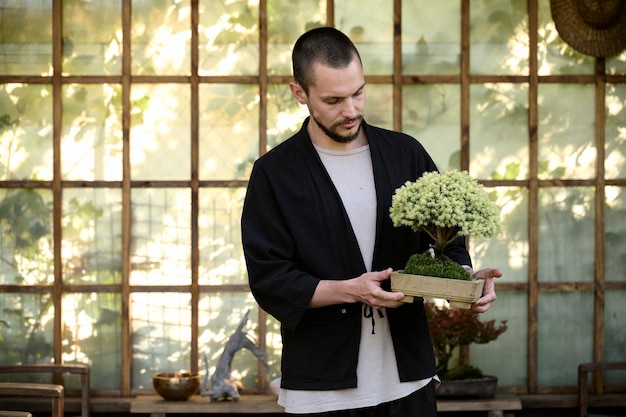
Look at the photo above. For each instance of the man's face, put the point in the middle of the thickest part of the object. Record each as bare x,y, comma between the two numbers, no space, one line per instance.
336,101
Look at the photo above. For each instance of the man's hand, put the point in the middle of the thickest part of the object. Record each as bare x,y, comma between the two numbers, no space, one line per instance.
364,289
368,290
489,291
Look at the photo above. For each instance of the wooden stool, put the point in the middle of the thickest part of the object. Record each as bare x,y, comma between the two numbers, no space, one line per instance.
15,414
23,389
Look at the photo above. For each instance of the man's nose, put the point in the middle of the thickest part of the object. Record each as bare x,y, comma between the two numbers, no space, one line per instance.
348,108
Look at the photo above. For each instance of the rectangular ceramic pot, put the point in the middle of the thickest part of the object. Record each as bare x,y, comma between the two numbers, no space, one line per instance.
459,293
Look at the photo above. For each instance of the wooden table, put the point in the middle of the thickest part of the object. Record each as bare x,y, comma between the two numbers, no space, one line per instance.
250,404
495,407
266,404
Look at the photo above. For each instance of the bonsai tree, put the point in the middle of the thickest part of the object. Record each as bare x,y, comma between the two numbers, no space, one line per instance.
451,328
445,206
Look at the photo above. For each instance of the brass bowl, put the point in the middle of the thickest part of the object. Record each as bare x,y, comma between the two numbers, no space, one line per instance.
176,386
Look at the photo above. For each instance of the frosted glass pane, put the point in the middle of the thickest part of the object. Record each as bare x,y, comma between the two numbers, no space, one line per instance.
566,230
91,145
26,244
378,110
25,37
565,336
92,42
499,37
615,337
554,56
509,250
615,234
615,136
506,356
28,322
228,38
92,335
430,113
229,130
284,115
221,253
161,246
286,21
92,229
161,335
160,37
566,131
160,144
369,23
616,64
25,132
428,47
499,131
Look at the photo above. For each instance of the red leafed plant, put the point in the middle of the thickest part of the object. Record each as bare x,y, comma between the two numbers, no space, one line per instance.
451,328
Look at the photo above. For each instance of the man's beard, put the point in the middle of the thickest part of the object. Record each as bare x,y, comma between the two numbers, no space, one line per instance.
336,136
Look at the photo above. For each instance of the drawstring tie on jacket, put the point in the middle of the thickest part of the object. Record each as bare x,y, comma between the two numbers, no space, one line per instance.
368,312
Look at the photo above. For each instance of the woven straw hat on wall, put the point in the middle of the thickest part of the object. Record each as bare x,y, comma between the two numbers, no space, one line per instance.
593,27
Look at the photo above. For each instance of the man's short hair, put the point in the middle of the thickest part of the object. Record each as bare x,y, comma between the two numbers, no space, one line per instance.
324,45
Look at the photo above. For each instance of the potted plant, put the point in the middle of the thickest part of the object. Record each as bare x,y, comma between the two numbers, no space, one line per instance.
445,206
457,328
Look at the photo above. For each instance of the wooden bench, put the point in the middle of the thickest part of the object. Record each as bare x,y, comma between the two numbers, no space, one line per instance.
266,404
24,389
54,369
15,414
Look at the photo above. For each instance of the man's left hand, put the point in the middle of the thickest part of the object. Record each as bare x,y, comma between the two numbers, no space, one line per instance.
489,291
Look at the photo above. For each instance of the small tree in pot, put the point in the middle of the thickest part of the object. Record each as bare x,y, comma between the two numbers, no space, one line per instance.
452,328
445,206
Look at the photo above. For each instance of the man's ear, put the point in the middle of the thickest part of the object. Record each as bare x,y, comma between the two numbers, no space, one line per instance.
298,92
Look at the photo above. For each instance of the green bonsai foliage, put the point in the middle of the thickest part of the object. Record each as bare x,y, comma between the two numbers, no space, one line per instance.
451,328
445,206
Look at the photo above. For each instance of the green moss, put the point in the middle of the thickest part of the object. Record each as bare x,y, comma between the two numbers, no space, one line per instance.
441,266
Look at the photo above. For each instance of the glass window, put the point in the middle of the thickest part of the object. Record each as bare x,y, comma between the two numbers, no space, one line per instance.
91,37
229,38
91,148
93,335
92,248
499,37
229,130
428,47
25,132
27,328
160,136
499,131
509,250
615,132
430,113
161,335
26,240
160,251
615,234
566,131
26,37
221,253
563,345
566,245
161,37
373,39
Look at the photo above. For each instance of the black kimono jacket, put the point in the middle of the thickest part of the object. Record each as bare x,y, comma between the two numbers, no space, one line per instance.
296,232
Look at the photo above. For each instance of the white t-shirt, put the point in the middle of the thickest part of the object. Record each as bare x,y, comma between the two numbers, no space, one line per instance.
377,371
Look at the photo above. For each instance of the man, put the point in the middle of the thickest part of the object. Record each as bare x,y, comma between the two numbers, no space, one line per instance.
320,246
